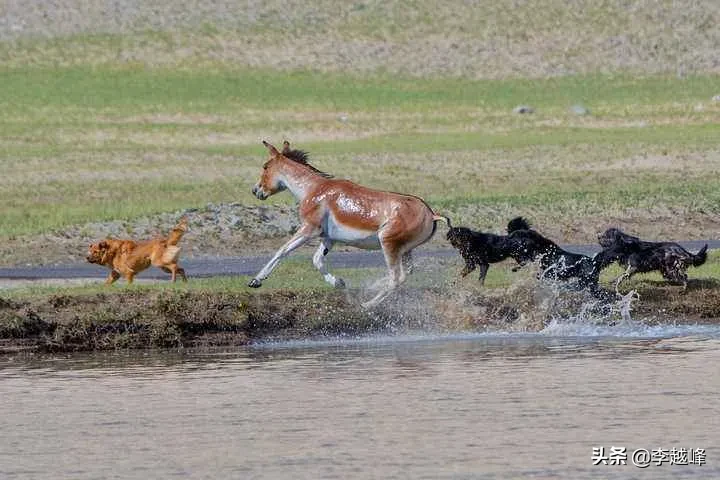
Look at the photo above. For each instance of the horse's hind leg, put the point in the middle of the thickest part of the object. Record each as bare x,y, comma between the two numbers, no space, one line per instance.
319,262
397,275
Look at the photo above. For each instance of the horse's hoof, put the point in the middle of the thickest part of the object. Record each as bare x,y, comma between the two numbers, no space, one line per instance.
254,283
339,283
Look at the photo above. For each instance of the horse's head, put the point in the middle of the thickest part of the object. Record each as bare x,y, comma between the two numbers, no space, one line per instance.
270,182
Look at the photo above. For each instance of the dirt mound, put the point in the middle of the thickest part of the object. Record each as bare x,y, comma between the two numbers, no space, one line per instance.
216,229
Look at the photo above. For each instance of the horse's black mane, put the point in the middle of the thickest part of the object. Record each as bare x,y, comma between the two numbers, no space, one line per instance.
301,156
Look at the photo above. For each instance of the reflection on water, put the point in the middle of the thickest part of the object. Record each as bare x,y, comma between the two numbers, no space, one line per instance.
465,406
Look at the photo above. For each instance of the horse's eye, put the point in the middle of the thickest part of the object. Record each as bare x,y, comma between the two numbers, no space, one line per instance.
265,166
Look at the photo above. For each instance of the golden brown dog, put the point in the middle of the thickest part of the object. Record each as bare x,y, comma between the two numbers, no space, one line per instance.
127,258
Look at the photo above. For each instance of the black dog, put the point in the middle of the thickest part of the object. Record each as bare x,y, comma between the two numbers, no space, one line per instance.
481,249
558,264
639,256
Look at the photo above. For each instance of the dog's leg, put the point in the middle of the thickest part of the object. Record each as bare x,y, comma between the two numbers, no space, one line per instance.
112,278
319,262
306,233
177,271
469,268
174,270
407,261
130,277
181,271
484,267
684,279
628,273
675,274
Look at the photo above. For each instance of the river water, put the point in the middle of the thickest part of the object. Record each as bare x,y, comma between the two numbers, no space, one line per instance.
464,406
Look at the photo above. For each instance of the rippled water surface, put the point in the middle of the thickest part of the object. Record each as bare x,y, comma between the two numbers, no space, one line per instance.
499,406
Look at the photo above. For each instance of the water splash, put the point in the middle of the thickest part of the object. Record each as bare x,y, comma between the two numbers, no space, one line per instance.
624,306
432,303
638,329
615,320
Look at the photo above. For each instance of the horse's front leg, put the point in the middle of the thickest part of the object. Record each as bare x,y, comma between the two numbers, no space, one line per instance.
301,237
319,262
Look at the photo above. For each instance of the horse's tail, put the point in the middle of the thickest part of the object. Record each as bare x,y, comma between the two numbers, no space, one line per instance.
437,218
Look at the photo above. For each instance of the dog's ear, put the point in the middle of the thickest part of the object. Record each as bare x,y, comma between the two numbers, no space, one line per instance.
621,237
105,250
109,250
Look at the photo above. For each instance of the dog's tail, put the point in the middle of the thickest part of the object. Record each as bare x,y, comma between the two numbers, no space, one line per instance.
518,223
437,218
700,257
176,233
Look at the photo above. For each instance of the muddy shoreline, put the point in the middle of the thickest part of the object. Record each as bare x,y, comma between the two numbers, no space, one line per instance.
197,319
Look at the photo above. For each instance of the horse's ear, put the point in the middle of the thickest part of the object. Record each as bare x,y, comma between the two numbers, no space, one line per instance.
271,148
286,147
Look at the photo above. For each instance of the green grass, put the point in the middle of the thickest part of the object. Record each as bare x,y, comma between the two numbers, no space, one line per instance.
134,90
82,144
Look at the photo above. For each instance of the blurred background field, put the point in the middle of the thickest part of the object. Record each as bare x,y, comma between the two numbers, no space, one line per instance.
117,117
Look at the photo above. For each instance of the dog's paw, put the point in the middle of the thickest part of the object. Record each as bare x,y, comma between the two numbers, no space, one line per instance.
255,283
339,283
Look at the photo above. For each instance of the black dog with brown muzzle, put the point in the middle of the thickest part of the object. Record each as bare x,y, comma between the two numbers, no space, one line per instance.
480,249
639,256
